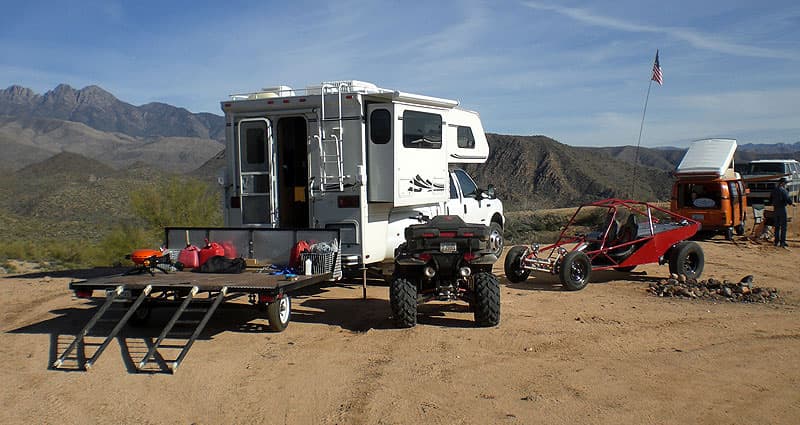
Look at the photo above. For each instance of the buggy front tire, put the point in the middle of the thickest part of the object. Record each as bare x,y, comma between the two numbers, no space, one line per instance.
513,265
575,271
687,259
487,299
403,301
279,313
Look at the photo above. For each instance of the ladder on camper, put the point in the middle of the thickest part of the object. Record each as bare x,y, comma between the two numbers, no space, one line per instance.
116,296
331,168
178,318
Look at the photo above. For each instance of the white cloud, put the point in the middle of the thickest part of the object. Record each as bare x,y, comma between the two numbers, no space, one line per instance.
695,38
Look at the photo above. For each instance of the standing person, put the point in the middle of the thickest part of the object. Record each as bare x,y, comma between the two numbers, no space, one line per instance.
780,199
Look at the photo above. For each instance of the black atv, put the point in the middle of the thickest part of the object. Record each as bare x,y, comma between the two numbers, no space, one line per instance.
445,259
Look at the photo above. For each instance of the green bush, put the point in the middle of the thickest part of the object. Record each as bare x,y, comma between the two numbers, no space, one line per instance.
177,202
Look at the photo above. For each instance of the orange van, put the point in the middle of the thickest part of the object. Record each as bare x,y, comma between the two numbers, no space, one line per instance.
718,203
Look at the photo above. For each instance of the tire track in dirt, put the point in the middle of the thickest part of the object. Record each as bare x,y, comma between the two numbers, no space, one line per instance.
355,407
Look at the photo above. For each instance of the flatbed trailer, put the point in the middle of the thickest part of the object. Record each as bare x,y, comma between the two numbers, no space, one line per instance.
139,294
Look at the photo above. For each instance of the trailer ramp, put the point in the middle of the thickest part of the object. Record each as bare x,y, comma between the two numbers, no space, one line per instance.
191,327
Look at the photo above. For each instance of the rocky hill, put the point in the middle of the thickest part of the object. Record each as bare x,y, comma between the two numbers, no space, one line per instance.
532,172
100,110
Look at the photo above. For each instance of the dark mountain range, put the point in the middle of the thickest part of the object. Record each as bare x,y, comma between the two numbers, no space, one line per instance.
532,172
100,110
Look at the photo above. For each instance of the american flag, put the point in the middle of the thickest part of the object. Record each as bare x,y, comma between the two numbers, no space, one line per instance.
657,72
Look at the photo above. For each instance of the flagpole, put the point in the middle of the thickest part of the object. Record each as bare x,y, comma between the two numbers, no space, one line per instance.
639,141
657,78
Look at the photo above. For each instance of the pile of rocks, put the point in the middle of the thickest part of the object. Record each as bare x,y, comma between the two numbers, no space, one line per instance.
713,289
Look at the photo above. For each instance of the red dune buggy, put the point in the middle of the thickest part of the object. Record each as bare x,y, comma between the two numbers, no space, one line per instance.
612,234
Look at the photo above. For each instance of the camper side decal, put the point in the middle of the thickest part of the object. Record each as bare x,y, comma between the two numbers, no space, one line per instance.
421,184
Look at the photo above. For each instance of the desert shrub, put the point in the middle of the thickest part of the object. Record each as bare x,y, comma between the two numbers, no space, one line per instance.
178,201
121,241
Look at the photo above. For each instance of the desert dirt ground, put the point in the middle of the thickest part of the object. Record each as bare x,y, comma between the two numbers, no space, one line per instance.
609,354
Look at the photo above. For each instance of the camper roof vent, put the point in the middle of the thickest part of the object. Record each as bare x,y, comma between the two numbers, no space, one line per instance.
348,86
266,92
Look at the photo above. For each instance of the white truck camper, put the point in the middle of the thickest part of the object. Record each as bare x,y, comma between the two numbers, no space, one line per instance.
353,157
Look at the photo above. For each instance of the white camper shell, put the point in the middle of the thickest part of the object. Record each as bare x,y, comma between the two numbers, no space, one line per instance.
708,157
351,156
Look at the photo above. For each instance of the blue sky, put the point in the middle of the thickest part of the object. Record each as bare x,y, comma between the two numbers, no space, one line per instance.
575,71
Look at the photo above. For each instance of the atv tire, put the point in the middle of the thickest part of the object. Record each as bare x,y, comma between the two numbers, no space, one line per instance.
512,266
487,299
403,300
687,259
575,271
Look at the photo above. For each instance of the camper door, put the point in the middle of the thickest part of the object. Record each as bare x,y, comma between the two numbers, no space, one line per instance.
255,164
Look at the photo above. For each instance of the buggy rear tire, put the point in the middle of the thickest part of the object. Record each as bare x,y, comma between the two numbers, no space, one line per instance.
403,301
513,265
487,299
575,271
279,313
687,259
496,238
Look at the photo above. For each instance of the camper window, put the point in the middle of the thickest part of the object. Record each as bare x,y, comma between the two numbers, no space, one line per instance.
465,138
255,140
422,130
380,126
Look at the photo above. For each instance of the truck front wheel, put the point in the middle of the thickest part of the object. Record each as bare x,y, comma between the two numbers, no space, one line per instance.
496,238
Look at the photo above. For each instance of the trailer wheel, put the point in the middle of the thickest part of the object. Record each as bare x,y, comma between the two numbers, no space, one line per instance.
141,316
403,300
575,271
487,299
687,259
496,239
279,313
513,265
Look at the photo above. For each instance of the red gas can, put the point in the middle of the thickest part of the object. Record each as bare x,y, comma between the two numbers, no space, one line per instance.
212,249
189,257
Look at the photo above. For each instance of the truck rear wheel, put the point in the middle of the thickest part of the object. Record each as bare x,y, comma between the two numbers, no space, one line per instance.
403,300
278,313
575,271
513,265
687,259
487,299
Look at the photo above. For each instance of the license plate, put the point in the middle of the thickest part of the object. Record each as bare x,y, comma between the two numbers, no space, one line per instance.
448,247
698,217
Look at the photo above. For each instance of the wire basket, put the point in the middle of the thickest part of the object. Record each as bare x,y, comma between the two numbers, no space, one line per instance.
321,262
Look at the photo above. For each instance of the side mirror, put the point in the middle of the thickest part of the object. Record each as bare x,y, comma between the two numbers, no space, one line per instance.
490,191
